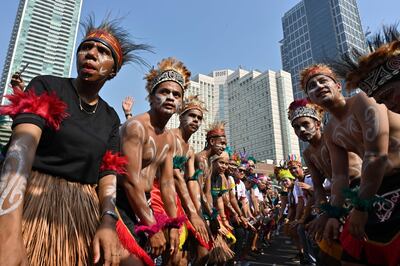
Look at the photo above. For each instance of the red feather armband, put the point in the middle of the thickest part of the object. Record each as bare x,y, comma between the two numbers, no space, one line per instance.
47,105
114,162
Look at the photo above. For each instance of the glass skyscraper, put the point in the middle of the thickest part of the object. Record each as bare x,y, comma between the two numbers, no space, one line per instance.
43,35
314,30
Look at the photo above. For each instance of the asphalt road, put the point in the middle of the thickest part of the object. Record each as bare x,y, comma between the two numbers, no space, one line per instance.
279,253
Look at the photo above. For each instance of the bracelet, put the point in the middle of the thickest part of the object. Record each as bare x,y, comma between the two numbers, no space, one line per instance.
179,162
110,213
333,211
128,114
359,204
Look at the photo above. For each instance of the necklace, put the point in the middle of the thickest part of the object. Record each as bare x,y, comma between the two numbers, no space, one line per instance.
86,111
80,102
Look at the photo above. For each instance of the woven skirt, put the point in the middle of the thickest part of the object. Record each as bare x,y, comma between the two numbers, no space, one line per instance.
60,219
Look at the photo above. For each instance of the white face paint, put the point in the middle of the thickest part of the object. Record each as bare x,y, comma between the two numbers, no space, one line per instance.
167,97
191,120
99,56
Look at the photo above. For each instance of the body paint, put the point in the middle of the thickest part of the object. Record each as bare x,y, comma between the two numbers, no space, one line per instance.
14,179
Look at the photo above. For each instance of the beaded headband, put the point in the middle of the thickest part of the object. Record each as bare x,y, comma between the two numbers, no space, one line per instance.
169,75
304,111
381,75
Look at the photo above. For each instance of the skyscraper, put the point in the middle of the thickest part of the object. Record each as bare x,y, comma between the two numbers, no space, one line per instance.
315,30
254,107
43,35
204,86
258,121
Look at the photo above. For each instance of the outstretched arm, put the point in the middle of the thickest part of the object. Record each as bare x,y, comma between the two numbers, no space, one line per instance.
127,105
187,202
14,176
106,238
374,122
168,195
133,139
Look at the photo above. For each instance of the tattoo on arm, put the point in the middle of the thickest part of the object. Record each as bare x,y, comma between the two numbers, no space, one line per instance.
17,167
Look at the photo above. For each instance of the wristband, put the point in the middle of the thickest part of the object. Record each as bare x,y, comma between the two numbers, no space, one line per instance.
333,211
110,213
128,114
359,204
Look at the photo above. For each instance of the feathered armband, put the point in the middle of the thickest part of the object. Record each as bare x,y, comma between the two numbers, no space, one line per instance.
47,105
114,162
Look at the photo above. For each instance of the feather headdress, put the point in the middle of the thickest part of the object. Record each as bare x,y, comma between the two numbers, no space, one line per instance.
168,69
293,159
315,70
381,64
193,102
116,38
215,130
303,108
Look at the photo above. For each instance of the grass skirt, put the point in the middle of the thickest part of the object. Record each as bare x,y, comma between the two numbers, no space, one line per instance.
60,219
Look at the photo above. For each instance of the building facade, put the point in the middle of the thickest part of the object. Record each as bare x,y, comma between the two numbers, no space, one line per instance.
258,121
44,36
204,86
254,107
314,31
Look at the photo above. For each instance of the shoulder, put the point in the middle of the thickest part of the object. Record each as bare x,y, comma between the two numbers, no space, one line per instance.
135,128
191,153
47,83
365,107
360,101
110,111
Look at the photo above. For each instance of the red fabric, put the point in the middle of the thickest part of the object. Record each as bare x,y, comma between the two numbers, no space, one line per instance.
376,253
158,207
161,219
201,241
130,244
47,105
114,162
160,215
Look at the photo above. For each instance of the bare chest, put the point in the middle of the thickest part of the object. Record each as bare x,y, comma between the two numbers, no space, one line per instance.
348,135
319,156
155,150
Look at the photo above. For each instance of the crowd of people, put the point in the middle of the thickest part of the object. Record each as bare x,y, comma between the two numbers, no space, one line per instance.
79,188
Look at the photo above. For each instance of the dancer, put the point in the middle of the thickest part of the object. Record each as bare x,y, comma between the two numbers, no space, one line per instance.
149,147
370,130
64,144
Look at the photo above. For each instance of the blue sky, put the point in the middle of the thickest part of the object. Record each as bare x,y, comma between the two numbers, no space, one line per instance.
207,35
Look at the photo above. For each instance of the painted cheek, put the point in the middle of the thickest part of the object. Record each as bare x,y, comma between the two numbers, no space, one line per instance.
160,100
177,105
